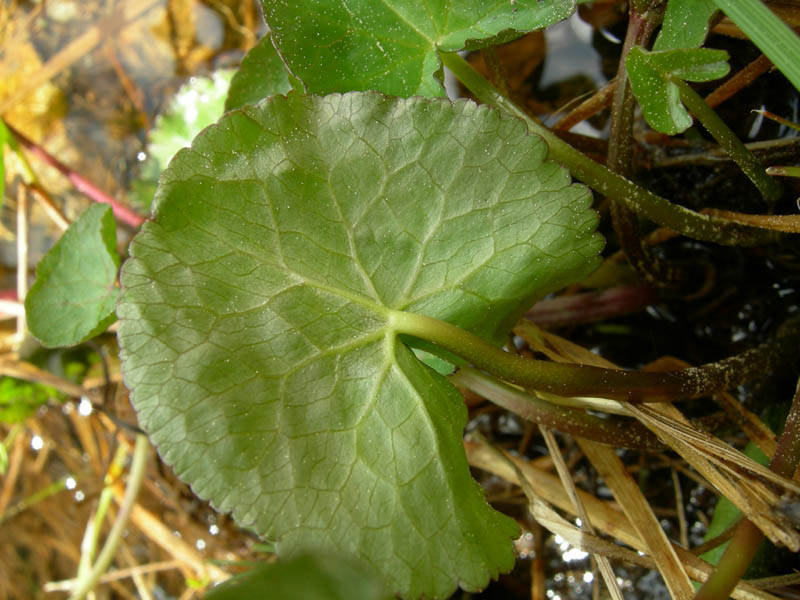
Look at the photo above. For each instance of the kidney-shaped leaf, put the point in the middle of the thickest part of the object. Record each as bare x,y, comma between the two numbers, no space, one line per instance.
74,294
256,318
652,76
390,46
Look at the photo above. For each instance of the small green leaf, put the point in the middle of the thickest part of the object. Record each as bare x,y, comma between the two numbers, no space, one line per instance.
302,578
261,74
652,76
685,24
256,319
391,46
74,295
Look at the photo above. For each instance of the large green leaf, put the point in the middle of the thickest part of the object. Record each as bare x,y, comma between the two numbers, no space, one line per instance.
256,319
391,45
302,578
653,76
261,74
74,294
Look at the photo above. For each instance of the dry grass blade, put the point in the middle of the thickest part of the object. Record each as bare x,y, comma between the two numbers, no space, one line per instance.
563,472
558,525
603,515
29,372
755,429
154,528
645,522
737,477
117,574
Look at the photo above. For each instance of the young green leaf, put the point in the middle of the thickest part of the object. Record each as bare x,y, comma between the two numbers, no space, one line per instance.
685,24
303,578
74,295
261,74
391,46
653,76
256,319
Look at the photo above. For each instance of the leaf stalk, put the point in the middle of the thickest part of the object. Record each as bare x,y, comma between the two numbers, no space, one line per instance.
746,160
603,180
585,380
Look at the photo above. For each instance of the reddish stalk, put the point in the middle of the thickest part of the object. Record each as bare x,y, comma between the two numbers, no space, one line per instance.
122,213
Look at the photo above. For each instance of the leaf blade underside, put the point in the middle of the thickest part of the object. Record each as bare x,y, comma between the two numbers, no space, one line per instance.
254,319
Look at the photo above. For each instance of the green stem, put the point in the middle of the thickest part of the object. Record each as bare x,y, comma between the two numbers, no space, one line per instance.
580,380
747,537
746,160
605,181
613,431
84,585
92,535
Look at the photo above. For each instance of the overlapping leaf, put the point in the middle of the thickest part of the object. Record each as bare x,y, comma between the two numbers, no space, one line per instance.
391,45
256,326
261,74
74,294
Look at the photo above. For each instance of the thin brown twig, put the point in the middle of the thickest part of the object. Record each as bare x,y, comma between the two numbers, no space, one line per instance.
133,92
684,530
10,479
599,101
739,81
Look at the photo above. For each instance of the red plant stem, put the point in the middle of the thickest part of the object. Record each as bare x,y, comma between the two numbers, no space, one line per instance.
122,213
747,537
590,307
